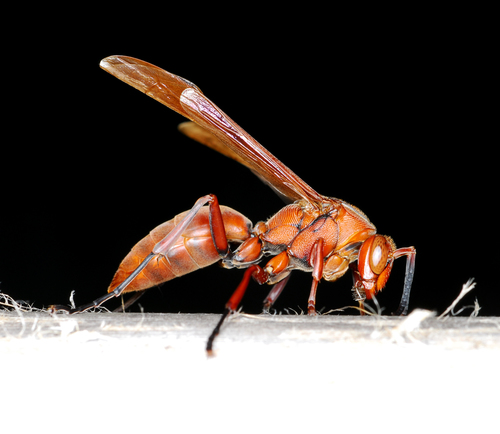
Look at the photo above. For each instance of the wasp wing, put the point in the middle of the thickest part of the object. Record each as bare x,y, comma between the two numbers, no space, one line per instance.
187,99
205,137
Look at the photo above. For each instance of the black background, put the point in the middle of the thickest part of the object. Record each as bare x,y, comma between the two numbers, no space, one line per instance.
389,115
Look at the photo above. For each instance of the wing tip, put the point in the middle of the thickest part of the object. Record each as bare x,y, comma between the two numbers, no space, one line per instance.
113,62
108,62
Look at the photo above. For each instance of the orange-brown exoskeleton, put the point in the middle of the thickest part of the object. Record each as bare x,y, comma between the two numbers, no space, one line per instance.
318,234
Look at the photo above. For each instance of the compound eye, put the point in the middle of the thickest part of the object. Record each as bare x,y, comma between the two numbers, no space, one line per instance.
379,253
